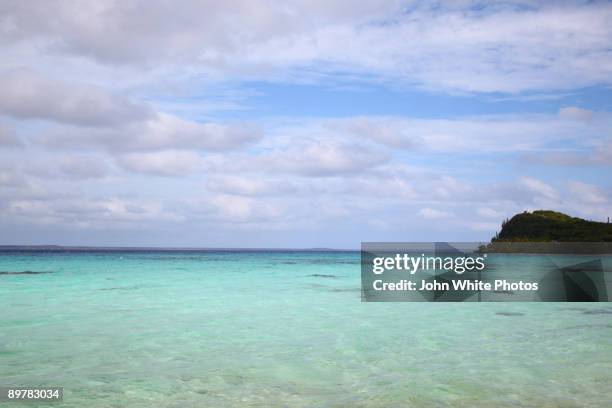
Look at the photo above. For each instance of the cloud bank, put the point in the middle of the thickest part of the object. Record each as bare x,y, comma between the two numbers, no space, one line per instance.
128,121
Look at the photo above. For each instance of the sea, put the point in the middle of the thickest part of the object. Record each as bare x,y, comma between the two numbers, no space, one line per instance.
280,329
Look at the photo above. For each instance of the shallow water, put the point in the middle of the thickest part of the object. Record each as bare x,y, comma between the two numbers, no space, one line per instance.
282,329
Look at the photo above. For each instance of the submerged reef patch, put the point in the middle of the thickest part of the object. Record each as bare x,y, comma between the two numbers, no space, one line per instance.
510,314
24,272
321,275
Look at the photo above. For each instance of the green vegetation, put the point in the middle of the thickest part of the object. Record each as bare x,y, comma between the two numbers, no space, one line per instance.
549,226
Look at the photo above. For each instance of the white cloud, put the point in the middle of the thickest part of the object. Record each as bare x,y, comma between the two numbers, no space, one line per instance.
169,163
487,212
573,112
596,153
313,157
587,193
489,227
538,188
497,47
66,167
8,138
433,214
492,49
515,195
88,212
250,185
381,186
449,188
161,131
231,208
29,96
8,178
206,31
125,91
170,131
83,167
387,131
484,134
321,158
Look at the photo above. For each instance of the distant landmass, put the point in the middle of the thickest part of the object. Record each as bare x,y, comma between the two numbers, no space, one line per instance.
552,226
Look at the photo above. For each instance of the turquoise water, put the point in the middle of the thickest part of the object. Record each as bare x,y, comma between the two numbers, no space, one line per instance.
227,329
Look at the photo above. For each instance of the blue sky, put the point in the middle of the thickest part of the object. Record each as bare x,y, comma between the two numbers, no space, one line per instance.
326,100
308,124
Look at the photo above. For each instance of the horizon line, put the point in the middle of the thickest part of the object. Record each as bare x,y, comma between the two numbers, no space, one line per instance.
55,247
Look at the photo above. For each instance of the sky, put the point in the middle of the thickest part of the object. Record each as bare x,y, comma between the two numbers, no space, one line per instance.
251,123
